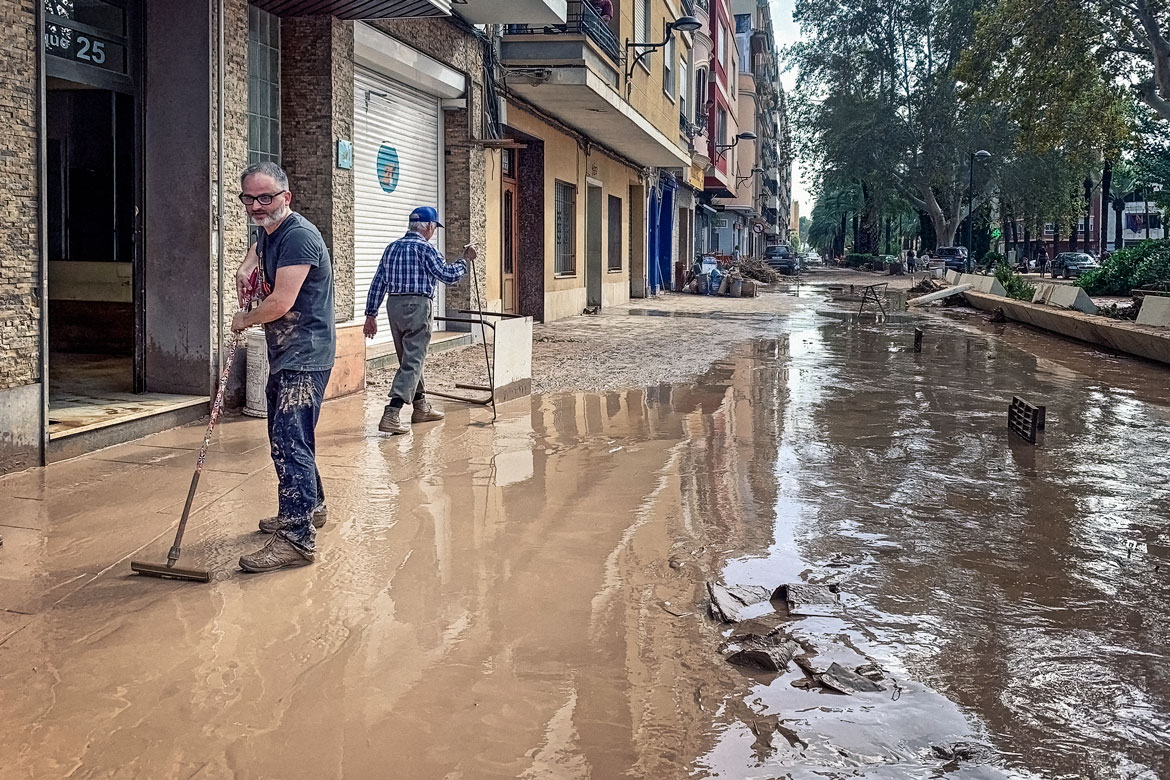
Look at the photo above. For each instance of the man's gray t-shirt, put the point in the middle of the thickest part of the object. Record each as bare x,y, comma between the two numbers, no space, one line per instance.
304,338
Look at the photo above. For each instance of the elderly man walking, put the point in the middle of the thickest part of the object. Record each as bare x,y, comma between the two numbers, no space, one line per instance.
406,277
296,281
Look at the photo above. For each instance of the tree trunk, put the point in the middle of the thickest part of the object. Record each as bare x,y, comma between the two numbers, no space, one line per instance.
870,228
1072,236
855,221
1027,242
1118,209
839,242
1106,185
1088,211
1055,240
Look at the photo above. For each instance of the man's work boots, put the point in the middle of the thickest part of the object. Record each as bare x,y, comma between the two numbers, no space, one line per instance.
424,412
279,553
392,421
271,525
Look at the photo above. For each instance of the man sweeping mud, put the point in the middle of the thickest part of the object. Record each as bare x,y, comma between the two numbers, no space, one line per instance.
296,282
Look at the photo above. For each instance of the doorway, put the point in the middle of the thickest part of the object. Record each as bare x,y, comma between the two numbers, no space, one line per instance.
593,247
93,202
509,295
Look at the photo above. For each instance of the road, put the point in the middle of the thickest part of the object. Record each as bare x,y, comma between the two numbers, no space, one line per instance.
528,599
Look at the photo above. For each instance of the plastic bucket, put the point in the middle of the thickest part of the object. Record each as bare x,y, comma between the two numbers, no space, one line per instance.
255,404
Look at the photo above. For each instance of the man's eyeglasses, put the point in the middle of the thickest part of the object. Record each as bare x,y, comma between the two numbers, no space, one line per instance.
263,200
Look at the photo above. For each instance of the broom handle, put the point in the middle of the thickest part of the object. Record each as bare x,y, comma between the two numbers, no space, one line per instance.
216,408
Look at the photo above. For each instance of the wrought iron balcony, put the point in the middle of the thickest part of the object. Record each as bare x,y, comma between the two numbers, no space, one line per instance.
582,19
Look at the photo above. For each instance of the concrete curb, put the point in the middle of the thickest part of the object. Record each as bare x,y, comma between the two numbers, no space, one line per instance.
1150,342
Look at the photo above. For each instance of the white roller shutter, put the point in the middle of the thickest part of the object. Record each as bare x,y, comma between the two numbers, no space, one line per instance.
391,116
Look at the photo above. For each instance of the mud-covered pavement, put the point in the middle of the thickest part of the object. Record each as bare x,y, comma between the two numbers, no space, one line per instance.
528,600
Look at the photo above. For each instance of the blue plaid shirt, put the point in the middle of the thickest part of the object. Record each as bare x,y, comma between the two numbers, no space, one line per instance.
410,266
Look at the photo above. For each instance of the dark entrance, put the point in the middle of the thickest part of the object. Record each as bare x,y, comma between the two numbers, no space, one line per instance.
92,203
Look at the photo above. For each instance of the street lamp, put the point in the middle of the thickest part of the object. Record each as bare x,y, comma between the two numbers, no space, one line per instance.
980,155
746,135
754,171
687,24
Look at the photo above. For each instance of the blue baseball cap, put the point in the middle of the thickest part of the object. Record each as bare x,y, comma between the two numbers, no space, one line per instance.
425,214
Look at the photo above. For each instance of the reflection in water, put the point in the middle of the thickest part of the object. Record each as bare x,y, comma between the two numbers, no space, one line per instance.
1015,579
527,599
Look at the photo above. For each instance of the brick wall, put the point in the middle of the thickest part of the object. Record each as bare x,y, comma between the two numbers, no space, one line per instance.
19,228
316,105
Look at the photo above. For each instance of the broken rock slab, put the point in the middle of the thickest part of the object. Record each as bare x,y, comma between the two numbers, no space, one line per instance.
844,680
807,600
731,605
768,654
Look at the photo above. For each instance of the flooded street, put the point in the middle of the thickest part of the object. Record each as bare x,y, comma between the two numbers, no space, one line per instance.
529,599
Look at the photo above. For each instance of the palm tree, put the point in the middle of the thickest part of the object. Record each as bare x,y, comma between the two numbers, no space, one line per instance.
1120,187
829,215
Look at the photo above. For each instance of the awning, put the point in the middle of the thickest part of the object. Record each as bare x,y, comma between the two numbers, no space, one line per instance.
356,9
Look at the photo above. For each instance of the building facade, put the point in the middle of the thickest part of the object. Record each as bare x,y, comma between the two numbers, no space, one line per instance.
575,150
124,230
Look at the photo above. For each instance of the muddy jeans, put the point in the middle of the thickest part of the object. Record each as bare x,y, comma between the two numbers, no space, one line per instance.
410,324
294,404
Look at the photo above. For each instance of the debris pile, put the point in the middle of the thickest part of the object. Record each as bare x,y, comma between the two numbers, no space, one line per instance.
755,268
734,279
928,285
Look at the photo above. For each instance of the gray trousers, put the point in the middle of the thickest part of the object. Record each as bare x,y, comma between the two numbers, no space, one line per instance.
410,324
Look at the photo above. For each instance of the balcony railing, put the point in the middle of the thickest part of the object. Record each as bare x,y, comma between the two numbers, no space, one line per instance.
582,19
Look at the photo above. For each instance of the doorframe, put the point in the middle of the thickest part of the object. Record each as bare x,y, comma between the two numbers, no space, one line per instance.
42,224
131,83
509,225
594,243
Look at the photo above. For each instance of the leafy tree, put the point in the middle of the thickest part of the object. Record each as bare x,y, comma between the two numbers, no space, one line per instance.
878,101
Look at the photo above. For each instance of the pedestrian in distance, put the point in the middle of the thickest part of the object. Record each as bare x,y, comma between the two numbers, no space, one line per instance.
406,278
296,284
910,261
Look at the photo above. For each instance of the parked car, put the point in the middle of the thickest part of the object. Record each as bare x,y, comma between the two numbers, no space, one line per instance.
811,259
954,258
1070,264
781,259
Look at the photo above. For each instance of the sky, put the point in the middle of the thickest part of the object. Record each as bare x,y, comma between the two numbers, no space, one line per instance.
787,32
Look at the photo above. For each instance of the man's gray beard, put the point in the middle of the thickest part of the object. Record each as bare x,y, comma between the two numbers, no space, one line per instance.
272,219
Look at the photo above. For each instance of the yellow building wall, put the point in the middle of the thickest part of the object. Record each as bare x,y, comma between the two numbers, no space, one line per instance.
492,252
565,160
646,94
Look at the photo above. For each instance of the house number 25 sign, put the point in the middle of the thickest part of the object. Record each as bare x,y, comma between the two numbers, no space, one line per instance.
70,34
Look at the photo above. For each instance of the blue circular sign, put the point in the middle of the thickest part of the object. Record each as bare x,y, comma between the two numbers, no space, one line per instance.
388,168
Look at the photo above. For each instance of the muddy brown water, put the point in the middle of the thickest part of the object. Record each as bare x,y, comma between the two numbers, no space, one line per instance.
499,602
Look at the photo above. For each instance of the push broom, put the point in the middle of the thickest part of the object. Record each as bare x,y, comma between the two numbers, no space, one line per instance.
170,570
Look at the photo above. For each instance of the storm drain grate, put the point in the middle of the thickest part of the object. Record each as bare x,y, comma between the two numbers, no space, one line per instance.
1025,420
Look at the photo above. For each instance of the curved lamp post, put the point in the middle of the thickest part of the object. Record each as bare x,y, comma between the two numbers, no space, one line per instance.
682,24
746,135
755,171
